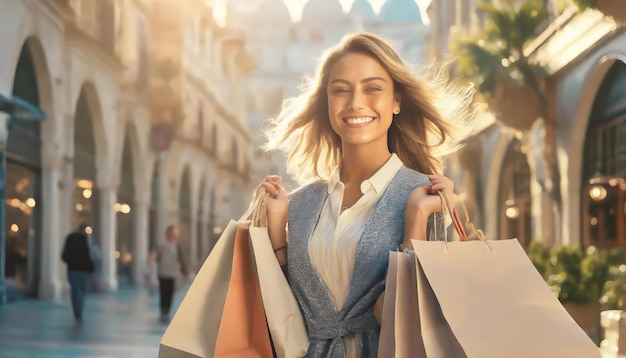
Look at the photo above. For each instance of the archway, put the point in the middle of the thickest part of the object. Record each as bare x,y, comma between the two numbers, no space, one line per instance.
514,198
23,188
85,198
603,189
184,214
125,217
155,198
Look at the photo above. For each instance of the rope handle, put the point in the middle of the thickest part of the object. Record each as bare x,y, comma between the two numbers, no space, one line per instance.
448,207
259,215
255,208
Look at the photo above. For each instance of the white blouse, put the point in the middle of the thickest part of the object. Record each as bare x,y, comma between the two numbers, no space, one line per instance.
334,242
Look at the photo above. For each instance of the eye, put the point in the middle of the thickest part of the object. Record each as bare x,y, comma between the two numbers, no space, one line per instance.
339,90
374,89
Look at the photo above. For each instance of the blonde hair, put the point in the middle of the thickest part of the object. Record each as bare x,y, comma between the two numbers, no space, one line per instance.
419,135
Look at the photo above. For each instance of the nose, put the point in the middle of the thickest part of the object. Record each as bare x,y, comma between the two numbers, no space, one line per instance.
357,101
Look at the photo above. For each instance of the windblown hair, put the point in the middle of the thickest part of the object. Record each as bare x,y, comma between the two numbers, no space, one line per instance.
431,123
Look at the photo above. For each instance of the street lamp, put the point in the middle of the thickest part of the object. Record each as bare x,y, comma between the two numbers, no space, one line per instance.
12,110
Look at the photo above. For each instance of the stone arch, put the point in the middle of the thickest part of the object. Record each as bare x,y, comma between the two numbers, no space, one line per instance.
130,192
592,82
42,73
92,98
514,194
128,130
31,82
492,182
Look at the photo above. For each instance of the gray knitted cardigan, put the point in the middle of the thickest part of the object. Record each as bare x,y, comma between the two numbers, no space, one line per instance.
383,233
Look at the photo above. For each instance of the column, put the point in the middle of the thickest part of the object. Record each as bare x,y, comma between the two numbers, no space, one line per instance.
203,236
4,132
163,200
140,239
107,280
193,241
52,239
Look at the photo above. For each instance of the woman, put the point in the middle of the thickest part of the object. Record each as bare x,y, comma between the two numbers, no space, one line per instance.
360,137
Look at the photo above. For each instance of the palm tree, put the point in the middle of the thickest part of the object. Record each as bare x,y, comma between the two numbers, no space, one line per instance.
512,85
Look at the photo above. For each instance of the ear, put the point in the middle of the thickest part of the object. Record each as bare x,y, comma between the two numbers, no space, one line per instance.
397,101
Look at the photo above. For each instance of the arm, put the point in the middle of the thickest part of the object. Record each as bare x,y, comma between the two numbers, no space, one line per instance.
276,206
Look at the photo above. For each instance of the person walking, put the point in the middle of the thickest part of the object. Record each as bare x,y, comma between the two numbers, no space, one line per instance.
77,254
170,266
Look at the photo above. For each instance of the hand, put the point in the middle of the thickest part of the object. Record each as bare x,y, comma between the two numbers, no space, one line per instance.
276,202
276,206
421,203
425,198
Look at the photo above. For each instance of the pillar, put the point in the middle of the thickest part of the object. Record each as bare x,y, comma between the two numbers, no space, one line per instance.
107,279
52,240
140,239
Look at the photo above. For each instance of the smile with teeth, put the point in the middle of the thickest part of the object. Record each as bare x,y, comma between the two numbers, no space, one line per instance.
359,120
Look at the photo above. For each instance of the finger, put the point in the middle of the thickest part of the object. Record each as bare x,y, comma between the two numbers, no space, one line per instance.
273,179
269,188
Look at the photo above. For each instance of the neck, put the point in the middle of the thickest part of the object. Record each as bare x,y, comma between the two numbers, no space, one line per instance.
359,163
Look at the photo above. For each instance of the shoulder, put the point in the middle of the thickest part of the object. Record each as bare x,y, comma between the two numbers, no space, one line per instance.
308,191
409,178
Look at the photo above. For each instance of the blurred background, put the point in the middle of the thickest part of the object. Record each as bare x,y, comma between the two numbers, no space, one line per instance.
155,109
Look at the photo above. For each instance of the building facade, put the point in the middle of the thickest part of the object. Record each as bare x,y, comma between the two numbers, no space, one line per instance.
584,54
145,128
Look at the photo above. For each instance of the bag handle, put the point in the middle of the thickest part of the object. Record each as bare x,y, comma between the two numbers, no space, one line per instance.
255,206
446,205
259,216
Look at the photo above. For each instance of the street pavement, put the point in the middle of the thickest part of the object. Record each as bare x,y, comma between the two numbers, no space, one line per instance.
122,324
118,324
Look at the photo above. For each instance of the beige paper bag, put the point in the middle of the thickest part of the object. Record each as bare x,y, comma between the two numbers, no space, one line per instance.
494,302
284,318
282,311
400,332
194,328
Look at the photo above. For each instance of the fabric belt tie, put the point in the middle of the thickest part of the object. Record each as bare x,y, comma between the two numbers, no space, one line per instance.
335,329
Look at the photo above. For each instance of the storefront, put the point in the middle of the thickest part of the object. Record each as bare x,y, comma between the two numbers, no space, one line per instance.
514,197
125,218
23,190
604,164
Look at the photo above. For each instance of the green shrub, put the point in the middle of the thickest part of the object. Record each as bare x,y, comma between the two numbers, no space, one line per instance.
577,275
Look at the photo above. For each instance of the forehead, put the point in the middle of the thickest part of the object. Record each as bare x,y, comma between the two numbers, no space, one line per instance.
357,66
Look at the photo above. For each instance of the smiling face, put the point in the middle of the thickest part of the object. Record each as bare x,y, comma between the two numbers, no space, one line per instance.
361,100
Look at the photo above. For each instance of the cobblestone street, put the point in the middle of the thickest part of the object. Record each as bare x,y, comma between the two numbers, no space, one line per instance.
119,324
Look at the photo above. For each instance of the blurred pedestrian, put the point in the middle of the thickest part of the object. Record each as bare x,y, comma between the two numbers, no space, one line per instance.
170,266
77,254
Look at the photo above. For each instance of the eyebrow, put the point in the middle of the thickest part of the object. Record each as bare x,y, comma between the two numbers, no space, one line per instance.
365,80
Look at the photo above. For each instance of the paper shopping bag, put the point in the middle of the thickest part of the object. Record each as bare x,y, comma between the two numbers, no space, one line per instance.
194,327
284,317
490,299
243,328
400,332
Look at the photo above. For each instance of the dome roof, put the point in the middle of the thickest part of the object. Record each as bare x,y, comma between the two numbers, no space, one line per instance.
274,9
364,9
322,9
395,11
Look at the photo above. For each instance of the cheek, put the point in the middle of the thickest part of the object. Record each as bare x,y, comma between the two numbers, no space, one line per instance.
334,107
